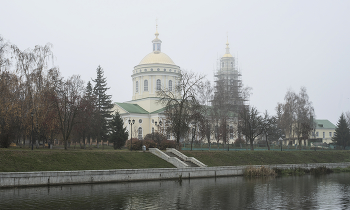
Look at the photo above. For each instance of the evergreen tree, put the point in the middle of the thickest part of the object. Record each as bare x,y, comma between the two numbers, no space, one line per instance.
118,134
342,133
103,103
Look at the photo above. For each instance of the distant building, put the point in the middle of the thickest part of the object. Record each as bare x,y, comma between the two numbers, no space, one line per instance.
155,71
324,130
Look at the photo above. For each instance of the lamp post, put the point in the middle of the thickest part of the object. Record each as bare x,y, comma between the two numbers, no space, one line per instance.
131,122
216,136
281,137
193,133
32,114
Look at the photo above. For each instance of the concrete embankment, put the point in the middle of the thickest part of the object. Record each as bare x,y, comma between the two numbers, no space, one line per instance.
17,179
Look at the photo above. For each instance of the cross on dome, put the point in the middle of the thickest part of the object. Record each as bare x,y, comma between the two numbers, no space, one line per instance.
157,42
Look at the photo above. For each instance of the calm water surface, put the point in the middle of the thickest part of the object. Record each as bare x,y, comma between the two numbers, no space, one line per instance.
297,192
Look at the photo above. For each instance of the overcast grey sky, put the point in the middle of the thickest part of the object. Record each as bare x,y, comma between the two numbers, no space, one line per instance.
279,44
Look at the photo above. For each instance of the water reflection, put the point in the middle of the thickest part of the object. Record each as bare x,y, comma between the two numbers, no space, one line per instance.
304,192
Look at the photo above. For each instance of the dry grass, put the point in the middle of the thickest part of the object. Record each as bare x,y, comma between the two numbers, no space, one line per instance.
259,171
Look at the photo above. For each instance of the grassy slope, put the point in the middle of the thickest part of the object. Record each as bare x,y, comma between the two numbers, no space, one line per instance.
60,160
235,158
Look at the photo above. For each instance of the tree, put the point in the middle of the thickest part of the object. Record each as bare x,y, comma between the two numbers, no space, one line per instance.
66,99
269,127
342,133
295,116
250,124
304,117
103,103
118,134
181,103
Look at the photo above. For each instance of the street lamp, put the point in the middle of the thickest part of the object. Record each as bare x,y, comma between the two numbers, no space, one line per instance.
281,135
32,114
217,136
131,122
193,133
158,140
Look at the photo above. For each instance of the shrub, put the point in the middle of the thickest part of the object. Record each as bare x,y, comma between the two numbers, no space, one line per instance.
167,144
260,171
136,144
238,142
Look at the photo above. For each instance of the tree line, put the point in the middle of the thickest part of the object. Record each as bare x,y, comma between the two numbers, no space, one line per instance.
199,110
38,104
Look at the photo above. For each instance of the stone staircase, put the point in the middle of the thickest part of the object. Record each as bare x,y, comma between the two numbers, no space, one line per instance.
176,158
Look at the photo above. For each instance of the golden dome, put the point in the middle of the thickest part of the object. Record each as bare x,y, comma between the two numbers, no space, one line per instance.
227,56
158,57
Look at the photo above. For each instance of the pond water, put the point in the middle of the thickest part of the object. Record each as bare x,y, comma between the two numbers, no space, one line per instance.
293,192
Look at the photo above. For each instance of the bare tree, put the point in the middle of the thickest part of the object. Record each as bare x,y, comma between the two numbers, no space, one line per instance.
250,124
67,101
180,104
303,125
269,127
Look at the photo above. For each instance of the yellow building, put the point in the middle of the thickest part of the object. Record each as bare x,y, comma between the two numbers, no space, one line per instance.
156,71
324,130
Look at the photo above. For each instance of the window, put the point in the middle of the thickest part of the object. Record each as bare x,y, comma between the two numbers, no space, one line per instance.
317,134
323,135
140,120
170,85
140,133
330,134
175,71
145,84
164,69
151,69
231,64
145,69
223,64
158,84
158,69
137,86
152,120
170,70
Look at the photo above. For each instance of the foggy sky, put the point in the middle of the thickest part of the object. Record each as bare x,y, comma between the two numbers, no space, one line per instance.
280,45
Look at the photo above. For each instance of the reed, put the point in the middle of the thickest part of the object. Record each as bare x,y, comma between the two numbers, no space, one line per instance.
251,171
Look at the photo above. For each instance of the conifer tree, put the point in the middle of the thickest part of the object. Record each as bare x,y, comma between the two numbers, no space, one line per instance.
118,135
103,103
342,133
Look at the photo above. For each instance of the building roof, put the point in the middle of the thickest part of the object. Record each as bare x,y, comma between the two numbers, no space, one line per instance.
158,111
325,124
132,108
157,57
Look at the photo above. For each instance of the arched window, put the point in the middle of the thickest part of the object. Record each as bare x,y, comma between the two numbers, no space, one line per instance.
137,86
170,85
158,84
223,64
158,69
140,133
145,84
231,64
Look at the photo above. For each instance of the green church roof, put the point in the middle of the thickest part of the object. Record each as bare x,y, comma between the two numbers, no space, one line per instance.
132,108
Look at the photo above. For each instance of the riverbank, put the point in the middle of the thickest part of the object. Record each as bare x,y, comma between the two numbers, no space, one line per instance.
237,158
72,160
78,159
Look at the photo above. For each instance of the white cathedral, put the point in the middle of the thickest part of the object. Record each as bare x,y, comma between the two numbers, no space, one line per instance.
156,71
